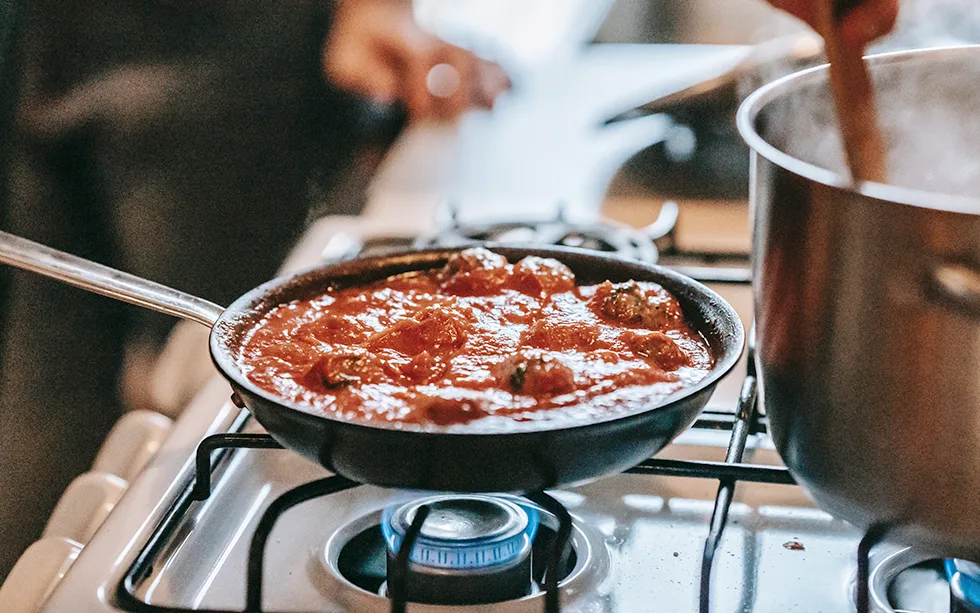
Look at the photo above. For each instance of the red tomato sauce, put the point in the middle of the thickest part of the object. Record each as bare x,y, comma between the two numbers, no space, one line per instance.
479,339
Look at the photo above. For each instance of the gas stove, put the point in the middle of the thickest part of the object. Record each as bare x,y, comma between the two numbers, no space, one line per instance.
207,513
222,519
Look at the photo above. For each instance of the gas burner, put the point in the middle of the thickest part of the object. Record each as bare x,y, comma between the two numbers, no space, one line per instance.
472,550
603,236
904,580
608,236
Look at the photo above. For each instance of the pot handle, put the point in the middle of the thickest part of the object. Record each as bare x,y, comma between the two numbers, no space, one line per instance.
100,279
956,284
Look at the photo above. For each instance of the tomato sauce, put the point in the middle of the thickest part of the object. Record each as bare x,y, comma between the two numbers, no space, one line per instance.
479,339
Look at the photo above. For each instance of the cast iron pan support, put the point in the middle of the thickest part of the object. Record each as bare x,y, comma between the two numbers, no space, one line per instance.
745,417
875,534
202,482
334,484
256,551
559,549
747,403
397,588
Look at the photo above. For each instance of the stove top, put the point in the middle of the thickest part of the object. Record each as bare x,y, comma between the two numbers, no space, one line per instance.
713,523
647,534
636,537
631,537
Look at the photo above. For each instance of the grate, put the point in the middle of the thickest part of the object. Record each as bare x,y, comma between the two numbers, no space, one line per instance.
213,450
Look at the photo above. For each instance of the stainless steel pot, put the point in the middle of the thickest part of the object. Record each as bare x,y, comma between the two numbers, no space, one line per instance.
868,298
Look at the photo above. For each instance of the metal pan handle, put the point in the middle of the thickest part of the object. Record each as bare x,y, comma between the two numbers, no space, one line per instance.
100,279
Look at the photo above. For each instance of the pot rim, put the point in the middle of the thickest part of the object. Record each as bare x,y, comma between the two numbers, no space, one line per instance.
749,110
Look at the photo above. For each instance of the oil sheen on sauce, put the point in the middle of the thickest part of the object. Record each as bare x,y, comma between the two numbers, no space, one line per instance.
479,340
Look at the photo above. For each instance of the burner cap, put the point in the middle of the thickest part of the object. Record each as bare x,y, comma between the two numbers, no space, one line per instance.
359,554
464,532
471,549
463,519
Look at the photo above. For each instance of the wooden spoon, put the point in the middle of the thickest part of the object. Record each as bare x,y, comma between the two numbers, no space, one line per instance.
854,99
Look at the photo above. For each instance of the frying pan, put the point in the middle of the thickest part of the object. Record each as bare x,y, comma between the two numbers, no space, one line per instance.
529,457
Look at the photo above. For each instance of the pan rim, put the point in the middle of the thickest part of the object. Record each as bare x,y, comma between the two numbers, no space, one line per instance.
227,365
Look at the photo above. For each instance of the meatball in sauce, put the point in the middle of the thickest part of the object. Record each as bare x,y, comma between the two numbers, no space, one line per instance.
479,339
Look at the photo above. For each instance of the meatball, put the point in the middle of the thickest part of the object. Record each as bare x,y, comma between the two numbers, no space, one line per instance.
645,305
473,272
561,335
538,374
477,258
659,348
536,276
336,370
448,411
432,330
424,368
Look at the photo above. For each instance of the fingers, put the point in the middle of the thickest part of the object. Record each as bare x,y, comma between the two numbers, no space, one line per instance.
413,81
444,81
481,82
461,65
360,69
376,49
865,22
491,82
869,20
368,76
802,9
382,86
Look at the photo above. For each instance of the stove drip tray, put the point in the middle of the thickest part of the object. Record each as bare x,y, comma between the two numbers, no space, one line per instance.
471,549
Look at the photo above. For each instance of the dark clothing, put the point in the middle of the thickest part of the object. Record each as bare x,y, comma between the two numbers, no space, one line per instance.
173,139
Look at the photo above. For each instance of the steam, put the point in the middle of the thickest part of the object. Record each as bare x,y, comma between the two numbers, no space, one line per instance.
934,23
929,107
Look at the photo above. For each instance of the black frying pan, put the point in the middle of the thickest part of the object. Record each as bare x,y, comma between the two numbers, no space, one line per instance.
456,458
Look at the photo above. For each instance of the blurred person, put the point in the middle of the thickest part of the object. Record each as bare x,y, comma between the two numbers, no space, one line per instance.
175,140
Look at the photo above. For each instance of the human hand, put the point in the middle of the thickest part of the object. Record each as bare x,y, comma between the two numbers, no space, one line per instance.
861,24
377,50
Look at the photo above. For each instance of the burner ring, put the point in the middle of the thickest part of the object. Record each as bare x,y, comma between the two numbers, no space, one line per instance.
604,235
464,532
888,562
590,568
471,549
884,571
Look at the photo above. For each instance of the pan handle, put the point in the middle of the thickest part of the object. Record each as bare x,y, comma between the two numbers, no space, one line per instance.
88,275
